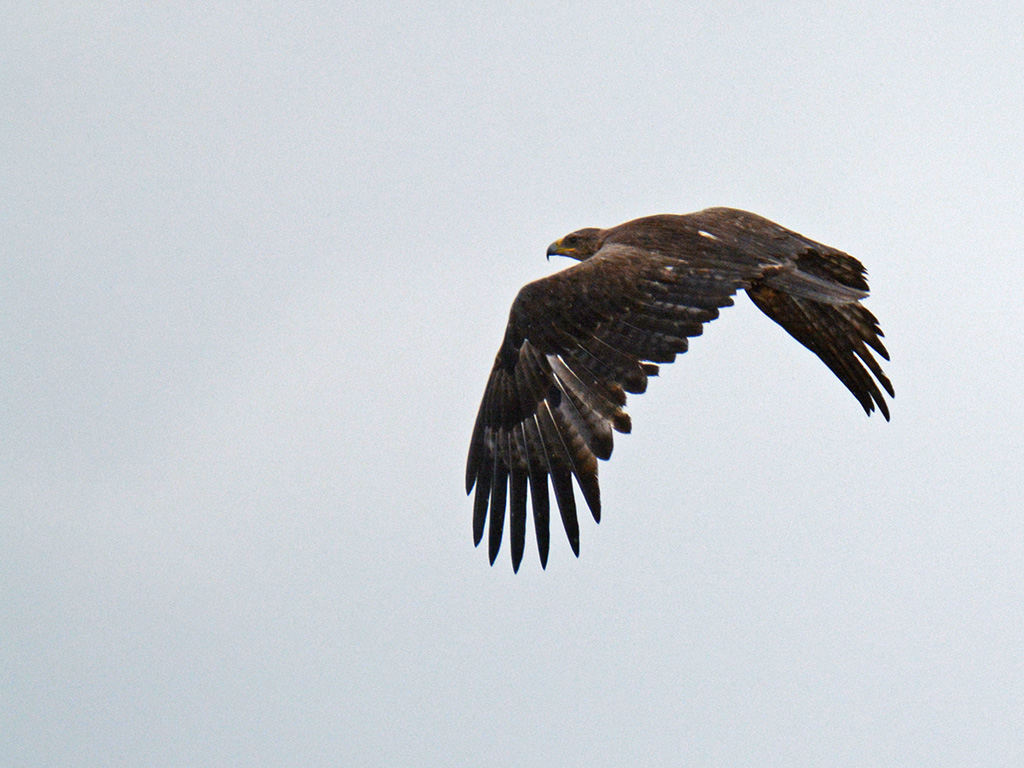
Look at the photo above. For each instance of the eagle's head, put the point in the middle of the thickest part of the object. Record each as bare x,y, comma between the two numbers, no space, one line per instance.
580,245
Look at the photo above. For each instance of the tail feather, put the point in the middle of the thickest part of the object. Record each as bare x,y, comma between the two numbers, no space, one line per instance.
805,285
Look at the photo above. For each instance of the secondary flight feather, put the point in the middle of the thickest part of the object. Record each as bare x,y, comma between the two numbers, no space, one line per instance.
579,340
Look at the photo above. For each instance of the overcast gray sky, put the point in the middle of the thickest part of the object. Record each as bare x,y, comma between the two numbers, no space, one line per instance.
255,262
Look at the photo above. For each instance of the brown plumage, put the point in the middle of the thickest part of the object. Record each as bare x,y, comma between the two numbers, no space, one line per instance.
579,340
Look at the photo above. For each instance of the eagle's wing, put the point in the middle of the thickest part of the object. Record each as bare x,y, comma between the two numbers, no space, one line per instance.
814,294
839,334
576,342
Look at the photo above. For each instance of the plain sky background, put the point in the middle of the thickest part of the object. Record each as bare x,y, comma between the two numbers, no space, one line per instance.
255,263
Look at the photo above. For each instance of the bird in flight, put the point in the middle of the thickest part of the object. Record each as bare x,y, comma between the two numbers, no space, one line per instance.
579,340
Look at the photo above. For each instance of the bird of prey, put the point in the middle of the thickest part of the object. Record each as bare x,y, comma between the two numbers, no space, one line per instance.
579,340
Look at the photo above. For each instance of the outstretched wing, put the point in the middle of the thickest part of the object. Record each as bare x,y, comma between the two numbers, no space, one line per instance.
575,344
814,295
839,334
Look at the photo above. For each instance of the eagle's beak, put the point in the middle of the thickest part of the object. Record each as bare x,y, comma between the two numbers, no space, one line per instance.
555,249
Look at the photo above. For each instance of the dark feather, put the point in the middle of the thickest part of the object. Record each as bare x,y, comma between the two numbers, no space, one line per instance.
579,340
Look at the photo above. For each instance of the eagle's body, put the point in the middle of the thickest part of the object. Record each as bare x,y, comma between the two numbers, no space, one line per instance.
579,340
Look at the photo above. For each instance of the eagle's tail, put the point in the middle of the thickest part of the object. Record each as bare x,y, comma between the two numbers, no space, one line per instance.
818,303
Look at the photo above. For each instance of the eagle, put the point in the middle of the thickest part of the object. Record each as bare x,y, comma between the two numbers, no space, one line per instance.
579,340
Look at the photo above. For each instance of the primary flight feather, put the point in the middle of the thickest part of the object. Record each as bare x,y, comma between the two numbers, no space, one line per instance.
579,340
